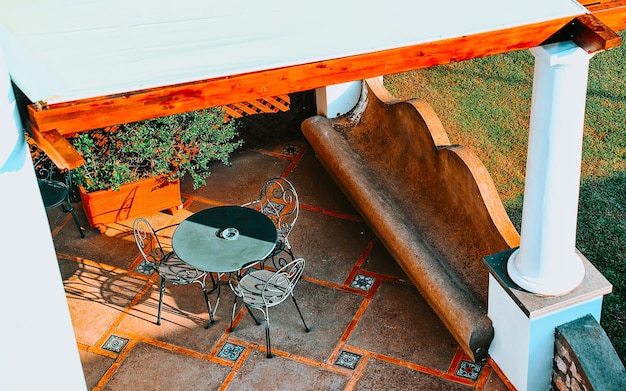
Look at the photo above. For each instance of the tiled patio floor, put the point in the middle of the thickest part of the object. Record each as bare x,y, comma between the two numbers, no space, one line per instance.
370,328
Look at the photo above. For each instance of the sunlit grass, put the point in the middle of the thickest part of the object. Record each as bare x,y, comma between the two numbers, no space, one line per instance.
485,105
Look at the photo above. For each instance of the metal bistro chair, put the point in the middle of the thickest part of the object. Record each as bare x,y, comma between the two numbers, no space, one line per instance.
262,289
55,193
279,201
170,268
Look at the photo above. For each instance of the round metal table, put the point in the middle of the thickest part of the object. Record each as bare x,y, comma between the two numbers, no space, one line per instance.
224,239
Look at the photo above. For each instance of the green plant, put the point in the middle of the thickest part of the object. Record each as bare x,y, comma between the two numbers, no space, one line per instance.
176,145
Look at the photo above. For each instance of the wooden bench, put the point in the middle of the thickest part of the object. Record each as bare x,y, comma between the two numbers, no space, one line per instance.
433,205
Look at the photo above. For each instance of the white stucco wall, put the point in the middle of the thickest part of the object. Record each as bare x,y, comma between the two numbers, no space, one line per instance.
39,349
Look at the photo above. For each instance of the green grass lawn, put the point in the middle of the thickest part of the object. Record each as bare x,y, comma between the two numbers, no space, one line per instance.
485,105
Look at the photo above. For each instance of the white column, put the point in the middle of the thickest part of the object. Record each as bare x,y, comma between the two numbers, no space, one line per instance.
38,346
546,262
335,100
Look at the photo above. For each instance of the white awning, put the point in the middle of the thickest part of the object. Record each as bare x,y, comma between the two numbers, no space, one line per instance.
65,50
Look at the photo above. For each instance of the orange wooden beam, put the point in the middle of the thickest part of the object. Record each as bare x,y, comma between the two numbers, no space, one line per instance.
58,149
78,116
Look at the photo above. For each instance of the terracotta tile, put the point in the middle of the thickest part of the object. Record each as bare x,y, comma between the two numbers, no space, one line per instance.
242,181
94,366
380,261
315,187
116,249
96,298
184,317
380,375
148,367
411,330
331,246
278,373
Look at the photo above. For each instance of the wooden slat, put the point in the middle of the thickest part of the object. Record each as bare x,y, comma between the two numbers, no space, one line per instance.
231,113
261,107
77,116
245,108
280,102
273,104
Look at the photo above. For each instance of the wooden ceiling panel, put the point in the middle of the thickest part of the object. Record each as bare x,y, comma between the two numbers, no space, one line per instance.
592,32
78,116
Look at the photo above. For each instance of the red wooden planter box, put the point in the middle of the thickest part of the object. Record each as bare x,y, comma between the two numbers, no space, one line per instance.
135,199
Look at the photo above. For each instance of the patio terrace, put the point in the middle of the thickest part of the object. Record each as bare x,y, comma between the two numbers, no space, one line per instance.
371,329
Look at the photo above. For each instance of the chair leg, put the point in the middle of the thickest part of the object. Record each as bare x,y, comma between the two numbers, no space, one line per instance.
161,291
288,249
252,315
208,306
299,312
219,292
266,314
71,210
232,316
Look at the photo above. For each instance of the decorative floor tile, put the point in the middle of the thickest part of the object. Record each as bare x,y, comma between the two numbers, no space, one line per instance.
230,351
144,268
291,149
115,343
362,282
348,360
469,370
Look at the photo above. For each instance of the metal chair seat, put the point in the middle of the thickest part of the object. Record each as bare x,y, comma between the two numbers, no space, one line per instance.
54,184
252,284
53,192
177,272
56,193
168,266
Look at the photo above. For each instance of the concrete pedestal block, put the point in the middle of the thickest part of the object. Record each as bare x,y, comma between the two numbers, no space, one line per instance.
524,322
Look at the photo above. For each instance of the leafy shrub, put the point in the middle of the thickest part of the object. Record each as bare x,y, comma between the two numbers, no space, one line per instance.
176,145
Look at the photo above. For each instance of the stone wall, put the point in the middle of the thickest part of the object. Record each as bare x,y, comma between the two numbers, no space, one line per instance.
585,359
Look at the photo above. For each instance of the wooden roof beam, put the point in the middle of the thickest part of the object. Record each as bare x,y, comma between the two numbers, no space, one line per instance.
588,32
83,115
58,149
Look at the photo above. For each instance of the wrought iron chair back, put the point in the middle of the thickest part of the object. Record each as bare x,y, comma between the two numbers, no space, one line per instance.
167,265
281,284
148,243
278,200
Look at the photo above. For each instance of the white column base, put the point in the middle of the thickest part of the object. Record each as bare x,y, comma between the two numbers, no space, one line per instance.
552,282
524,323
